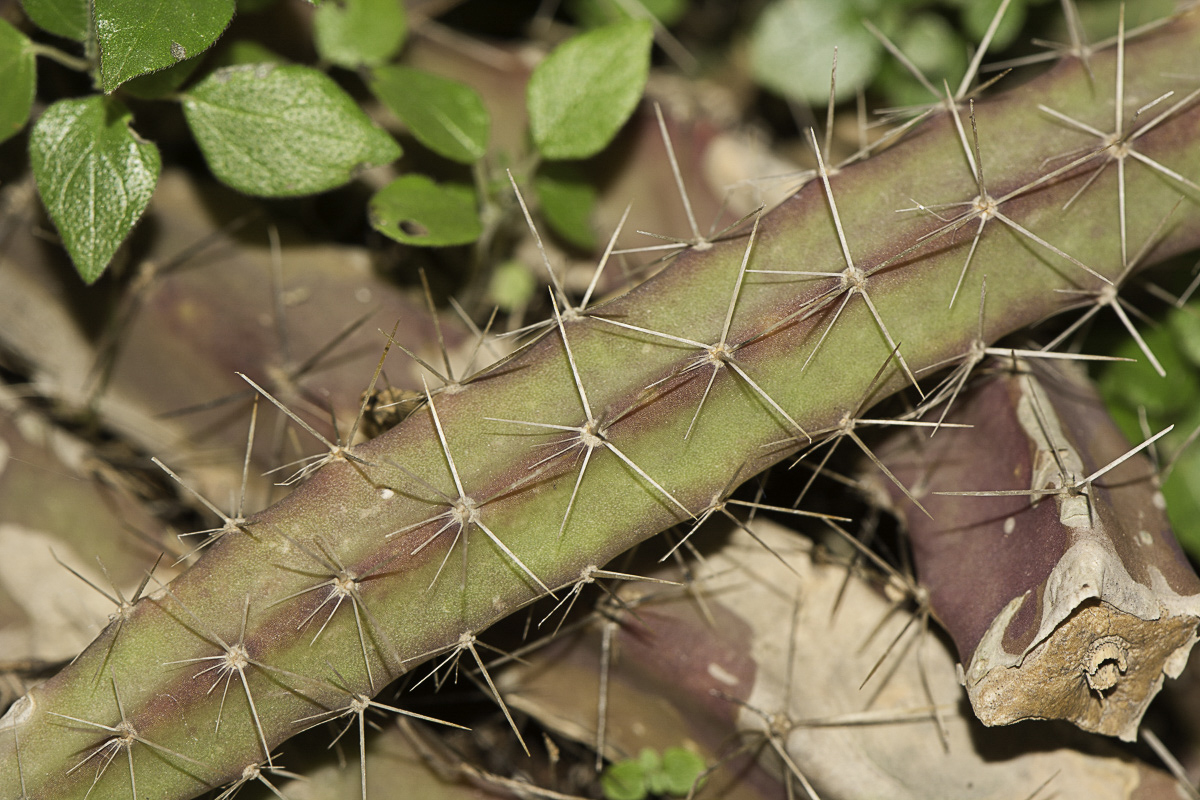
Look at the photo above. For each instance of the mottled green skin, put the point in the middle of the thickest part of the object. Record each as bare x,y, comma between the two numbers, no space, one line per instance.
628,379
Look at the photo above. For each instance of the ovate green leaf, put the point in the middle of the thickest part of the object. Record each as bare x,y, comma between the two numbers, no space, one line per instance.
356,33
16,88
95,177
415,210
594,13
791,49
977,16
444,115
140,36
567,199
282,131
67,18
242,52
584,91
162,83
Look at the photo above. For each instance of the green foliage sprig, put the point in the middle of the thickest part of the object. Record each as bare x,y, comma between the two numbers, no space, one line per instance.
271,129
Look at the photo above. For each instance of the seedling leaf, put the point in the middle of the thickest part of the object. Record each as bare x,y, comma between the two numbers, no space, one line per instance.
585,90
415,210
282,131
67,18
446,116
359,32
16,92
624,780
680,770
140,36
95,177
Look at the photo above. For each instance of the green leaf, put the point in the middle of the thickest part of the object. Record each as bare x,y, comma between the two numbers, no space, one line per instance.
415,210
95,177
444,115
69,18
162,83
512,286
934,48
978,14
584,91
624,780
357,33
594,13
242,52
1133,389
791,49
282,131
681,768
140,36
16,90
567,199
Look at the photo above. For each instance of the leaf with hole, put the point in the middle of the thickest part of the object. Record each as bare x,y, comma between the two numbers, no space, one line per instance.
282,131
67,18
446,116
16,90
358,33
95,177
415,210
584,91
140,36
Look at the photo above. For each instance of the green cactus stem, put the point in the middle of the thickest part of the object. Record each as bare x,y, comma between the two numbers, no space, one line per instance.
723,363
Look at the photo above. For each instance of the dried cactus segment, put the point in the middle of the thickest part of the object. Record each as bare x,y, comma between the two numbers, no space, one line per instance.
1058,577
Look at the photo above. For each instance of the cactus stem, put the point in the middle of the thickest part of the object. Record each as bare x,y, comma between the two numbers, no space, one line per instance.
463,511
721,354
254,772
234,658
123,737
124,607
589,436
343,583
1108,296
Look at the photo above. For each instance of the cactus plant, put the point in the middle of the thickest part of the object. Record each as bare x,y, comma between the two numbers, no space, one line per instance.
624,418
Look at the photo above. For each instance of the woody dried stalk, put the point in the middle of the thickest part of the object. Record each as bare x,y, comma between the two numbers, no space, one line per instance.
1060,581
